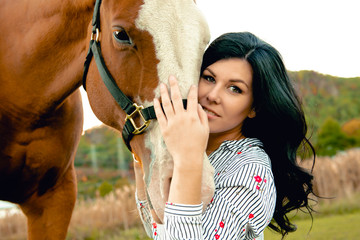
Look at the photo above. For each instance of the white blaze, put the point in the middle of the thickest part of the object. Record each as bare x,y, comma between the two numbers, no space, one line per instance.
180,34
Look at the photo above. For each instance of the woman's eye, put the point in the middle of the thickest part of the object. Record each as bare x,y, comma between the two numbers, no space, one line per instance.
122,37
208,78
235,89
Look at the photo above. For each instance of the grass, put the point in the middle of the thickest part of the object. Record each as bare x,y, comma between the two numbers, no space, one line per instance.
114,217
134,233
332,227
92,221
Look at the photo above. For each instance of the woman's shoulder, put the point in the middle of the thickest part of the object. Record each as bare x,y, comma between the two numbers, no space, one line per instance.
243,151
246,157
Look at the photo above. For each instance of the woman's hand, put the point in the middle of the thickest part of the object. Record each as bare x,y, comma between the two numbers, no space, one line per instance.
185,132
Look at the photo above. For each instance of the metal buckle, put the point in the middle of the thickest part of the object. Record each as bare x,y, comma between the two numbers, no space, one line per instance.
97,36
140,129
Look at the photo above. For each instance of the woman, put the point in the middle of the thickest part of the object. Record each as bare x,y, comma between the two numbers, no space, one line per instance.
248,118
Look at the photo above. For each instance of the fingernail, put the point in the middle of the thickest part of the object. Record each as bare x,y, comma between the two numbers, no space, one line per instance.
172,78
162,86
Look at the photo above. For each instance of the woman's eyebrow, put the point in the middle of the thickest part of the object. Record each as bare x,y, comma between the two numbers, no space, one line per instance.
231,80
212,73
239,81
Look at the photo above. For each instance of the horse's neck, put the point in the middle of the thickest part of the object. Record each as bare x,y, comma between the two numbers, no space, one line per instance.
43,47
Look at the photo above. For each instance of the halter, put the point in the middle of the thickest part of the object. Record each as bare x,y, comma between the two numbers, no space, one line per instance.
131,109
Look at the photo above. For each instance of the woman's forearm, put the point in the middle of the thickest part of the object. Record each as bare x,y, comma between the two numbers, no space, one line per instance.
185,186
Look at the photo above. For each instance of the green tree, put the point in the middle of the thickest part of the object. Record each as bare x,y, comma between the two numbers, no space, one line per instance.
106,145
331,139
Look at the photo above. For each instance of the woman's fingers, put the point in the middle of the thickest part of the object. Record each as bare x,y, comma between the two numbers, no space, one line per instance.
174,105
203,116
159,113
192,99
176,95
166,101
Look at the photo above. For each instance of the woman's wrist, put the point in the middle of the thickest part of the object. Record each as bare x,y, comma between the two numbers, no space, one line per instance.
185,186
188,162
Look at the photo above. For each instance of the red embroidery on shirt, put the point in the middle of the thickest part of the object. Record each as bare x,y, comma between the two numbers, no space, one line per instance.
155,233
215,230
239,153
218,174
212,200
154,225
217,236
265,181
222,224
257,187
251,215
258,179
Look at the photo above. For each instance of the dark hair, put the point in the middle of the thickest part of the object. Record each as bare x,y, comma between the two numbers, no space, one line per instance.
279,122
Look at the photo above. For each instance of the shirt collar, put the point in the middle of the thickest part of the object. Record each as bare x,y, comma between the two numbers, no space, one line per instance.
237,145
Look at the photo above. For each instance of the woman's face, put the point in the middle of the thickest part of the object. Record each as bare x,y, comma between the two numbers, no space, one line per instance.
225,93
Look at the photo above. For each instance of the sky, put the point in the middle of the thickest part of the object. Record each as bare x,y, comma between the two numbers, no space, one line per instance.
319,35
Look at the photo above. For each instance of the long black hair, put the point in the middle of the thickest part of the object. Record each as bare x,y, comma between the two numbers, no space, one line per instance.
279,122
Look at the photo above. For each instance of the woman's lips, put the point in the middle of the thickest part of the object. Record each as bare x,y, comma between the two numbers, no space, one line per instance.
210,113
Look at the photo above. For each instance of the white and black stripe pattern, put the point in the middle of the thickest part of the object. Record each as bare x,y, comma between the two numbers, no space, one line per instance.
243,203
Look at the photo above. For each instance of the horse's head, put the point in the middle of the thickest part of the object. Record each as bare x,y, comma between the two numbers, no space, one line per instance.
143,42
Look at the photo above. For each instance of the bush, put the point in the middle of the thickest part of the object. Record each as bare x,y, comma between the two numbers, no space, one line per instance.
105,188
332,139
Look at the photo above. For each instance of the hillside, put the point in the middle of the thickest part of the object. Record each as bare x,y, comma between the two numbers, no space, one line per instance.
326,96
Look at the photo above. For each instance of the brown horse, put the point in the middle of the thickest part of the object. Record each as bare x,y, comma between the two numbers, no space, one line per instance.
43,46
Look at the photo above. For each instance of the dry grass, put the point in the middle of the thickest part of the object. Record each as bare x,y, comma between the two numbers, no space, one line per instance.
13,225
112,213
115,211
336,177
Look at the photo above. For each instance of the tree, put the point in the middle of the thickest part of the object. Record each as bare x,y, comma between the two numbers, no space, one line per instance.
104,145
352,130
331,139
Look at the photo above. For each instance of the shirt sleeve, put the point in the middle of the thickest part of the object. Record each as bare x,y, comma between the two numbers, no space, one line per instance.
242,207
243,204
183,221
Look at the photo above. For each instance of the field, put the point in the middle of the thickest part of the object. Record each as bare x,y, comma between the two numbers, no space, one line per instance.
114,216
336,227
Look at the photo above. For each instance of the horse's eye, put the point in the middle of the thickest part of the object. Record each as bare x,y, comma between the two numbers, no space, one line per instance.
122,37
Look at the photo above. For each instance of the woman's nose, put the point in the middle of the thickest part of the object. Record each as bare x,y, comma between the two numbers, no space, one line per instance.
214,95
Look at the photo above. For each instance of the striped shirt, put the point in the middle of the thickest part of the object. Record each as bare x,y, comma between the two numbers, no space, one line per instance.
243,202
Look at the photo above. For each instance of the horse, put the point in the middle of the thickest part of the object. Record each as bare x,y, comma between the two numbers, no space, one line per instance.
43,48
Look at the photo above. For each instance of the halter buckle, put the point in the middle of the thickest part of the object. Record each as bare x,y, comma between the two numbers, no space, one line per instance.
145,124
95,37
